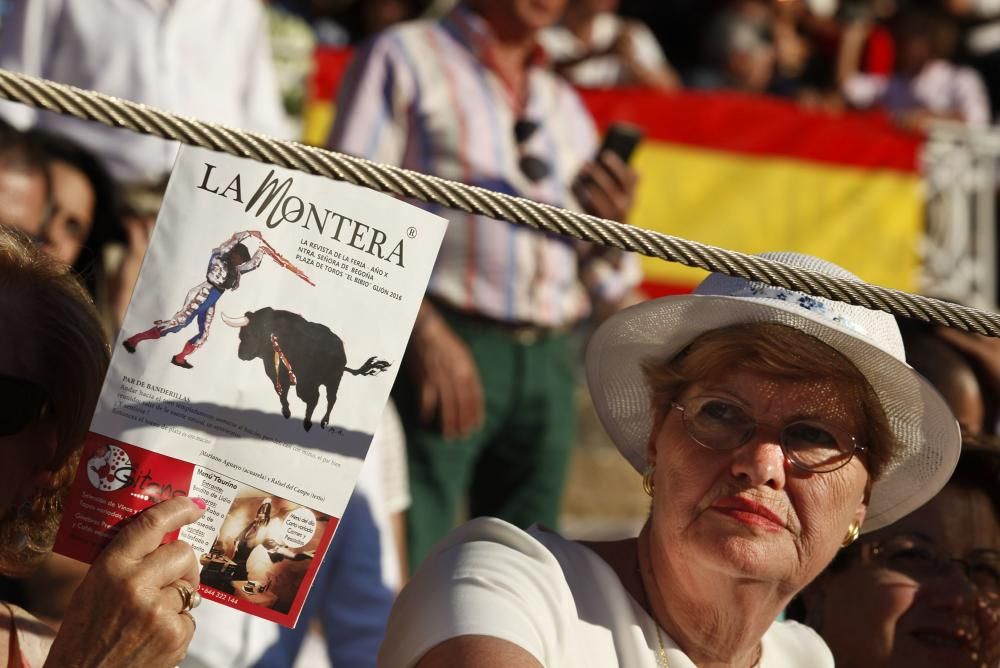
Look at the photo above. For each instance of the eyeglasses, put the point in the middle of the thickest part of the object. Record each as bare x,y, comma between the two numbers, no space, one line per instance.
810,445
531,166
23,403
912,556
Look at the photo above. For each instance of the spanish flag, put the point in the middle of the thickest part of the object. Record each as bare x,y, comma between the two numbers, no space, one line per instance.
755,174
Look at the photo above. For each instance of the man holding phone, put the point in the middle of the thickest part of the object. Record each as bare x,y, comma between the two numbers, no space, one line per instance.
487,390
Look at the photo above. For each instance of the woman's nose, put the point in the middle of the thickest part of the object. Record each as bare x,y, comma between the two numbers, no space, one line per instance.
951,587
761,461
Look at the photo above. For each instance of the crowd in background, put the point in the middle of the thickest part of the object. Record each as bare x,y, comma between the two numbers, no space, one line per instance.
919,59
88,195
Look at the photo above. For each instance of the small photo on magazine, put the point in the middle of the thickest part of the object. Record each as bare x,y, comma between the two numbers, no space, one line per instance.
264,549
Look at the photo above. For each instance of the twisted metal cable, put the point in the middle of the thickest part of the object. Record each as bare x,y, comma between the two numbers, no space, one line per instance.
140,118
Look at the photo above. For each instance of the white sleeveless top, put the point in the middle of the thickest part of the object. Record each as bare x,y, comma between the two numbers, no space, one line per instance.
554,598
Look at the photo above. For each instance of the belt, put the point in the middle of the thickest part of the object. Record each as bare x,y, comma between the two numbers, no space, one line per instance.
523,333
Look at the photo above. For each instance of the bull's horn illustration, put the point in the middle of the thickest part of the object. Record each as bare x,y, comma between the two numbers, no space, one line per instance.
235,322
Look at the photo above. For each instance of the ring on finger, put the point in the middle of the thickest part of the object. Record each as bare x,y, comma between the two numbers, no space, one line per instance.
190,598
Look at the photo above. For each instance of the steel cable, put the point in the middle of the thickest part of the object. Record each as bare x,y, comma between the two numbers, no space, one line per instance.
116,112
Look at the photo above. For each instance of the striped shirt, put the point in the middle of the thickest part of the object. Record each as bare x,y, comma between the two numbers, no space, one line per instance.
423,96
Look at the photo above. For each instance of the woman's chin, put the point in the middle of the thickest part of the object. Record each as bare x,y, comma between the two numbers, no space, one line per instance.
746,551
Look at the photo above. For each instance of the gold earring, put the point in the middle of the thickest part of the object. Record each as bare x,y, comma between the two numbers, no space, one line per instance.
647,481
853,531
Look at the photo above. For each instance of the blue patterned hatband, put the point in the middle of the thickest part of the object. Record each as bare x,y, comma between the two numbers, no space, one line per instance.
812,304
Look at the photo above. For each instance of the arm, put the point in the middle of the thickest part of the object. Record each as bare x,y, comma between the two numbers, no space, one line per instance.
489,595
253,262
441,365
644,60
971,99
478,652
228,244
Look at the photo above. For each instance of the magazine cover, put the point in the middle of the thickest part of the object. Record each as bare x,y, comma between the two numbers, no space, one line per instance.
263,336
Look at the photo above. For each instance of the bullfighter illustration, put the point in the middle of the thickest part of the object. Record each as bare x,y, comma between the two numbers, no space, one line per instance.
300,353
226,265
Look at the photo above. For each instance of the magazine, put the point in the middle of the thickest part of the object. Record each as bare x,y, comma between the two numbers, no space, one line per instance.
257,355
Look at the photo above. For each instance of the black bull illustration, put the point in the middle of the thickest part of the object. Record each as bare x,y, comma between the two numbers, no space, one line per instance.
300,353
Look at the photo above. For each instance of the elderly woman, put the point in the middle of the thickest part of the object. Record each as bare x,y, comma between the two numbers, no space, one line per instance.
52,363
924,591
771,427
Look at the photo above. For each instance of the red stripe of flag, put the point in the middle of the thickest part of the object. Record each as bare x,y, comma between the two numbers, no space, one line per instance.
759,126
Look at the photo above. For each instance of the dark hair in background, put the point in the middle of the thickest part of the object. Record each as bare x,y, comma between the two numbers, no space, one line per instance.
107,226
919,337
979,468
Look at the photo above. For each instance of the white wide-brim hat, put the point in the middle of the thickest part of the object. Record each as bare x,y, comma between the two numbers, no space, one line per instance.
928,441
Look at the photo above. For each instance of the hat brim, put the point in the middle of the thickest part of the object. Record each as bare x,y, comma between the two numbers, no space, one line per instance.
928,440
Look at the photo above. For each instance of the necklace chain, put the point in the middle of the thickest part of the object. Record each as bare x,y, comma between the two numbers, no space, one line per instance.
661,653
661,657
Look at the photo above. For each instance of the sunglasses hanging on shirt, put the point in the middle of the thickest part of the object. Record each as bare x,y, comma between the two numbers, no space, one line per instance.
23,402
533,167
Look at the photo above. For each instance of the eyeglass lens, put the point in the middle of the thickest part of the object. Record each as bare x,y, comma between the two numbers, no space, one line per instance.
811,445
921,561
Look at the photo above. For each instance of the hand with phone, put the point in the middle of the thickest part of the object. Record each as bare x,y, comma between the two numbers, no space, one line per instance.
605,186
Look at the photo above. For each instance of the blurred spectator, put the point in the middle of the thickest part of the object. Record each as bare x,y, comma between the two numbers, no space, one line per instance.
756,46
924,85
292,46
801,72
924,591
980,40
594,47
85,216
207,60
740,52
63,198
867,44
24,182
467,98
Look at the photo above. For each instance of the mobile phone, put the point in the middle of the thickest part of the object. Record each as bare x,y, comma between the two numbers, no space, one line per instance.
622,140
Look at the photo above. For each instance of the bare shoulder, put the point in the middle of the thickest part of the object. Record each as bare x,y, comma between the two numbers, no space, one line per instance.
479,651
